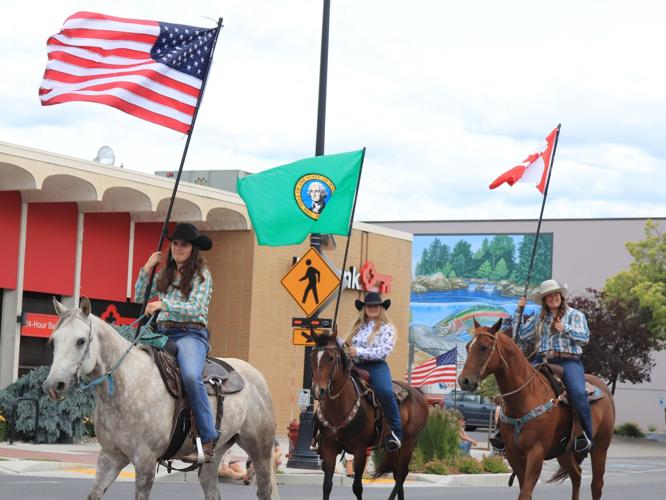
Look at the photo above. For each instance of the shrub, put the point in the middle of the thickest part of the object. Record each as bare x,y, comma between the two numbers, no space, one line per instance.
417,463
3,428
652,428
629,429
468,465
89,426
436,467
59,421
439,438
494,464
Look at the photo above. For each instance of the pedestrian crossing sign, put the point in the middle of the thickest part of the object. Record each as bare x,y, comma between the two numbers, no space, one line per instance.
311,281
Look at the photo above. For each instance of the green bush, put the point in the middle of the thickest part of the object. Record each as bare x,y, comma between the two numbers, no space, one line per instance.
59,421
439,438
436,467
652,428
3,428
468,465
629,429
494,464
417,463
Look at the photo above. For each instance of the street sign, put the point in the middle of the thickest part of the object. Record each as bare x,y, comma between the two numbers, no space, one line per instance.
311,322
311,281
304,398
300,336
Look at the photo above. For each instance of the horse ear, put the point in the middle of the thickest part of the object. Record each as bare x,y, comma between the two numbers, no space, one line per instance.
85,306
495,328
476,323
59,308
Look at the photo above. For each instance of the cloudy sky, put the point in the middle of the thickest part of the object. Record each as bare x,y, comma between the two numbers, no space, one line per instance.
445,96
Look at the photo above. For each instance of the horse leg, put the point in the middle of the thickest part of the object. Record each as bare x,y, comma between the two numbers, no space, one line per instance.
208,473
401,467
568,463
144,465
598,455
517,463
534,463
360,459
108,467
260,451
328,452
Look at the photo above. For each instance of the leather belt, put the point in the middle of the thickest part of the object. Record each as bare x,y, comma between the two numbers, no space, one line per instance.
181,325
558,354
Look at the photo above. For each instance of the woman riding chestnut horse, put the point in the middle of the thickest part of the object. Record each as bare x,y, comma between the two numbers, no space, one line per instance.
535,425
348,422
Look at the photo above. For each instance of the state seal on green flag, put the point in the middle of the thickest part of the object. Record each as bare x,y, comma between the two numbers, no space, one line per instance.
314,195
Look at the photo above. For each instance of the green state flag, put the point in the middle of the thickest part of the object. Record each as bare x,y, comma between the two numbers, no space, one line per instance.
315,195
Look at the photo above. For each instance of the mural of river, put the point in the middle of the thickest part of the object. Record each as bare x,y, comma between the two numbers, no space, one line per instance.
461,278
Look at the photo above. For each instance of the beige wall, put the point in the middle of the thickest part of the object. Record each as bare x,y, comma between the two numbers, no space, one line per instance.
250,314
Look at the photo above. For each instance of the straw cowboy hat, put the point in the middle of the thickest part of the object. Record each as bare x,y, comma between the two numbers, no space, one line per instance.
548,286
187,232
372,299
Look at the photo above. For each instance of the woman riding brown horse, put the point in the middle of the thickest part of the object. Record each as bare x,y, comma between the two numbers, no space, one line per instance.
534,422
348,421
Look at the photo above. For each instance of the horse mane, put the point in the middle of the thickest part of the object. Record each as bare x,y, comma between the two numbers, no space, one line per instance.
326,340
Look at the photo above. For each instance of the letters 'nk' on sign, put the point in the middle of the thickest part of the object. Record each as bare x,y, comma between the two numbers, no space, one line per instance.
311,281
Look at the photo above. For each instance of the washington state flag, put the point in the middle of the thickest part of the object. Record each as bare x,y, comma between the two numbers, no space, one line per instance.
314,195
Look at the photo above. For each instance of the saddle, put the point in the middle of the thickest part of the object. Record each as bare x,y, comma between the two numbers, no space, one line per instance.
220,379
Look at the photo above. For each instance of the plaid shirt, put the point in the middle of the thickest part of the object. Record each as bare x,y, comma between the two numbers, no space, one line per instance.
192,309
572,339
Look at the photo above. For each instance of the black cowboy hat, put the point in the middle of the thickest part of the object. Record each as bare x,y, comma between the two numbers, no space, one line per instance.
187,232
372,299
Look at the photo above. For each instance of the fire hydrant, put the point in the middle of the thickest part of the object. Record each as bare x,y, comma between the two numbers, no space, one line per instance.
292,433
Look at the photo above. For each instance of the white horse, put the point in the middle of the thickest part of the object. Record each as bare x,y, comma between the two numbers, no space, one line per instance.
134,423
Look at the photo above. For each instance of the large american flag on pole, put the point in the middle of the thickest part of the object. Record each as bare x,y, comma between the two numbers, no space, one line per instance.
440,369
149,69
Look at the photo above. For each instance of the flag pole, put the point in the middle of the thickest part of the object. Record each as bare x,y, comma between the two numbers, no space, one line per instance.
165,226
516,327
349,232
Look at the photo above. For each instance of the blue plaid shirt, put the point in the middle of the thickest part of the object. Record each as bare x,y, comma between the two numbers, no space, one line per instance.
192,309
572,339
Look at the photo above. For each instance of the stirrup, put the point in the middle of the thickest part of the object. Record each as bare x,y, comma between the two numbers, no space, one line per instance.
582,444
497,443
392,443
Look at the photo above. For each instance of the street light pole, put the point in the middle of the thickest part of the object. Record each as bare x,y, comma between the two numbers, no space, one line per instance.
303,457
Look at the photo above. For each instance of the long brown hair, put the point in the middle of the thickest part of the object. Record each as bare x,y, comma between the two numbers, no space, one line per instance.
193,265
362,320
545,310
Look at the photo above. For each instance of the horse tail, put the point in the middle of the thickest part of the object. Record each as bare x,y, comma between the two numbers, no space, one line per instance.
561,474
384,466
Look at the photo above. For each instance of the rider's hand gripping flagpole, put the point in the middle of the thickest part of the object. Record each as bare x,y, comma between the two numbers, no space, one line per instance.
516,326
165,226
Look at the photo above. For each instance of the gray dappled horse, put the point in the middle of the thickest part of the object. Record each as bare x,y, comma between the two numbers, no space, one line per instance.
134,423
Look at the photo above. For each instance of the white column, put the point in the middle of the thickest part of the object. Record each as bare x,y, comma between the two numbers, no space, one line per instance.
73,301
12,305
130,261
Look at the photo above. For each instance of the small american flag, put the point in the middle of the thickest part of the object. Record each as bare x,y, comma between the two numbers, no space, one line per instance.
149,69
440,369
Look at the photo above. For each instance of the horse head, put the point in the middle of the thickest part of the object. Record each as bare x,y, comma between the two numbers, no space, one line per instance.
328,361
75,351
483,356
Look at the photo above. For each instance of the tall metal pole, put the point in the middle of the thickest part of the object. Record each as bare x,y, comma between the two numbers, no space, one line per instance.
303,457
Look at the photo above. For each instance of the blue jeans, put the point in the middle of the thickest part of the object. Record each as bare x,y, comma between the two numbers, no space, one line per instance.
574,380
192,349
380,378
465,446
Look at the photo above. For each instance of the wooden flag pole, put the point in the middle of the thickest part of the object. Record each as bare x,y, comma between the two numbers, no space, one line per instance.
165,226
516,327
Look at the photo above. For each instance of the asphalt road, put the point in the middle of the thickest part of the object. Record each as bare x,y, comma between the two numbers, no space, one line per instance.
635,479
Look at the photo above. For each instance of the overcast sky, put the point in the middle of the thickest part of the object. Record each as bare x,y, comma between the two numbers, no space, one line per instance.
445,96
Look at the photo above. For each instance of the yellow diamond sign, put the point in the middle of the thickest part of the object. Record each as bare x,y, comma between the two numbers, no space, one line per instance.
311,281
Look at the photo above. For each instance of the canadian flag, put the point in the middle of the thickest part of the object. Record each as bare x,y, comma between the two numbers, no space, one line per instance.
534,168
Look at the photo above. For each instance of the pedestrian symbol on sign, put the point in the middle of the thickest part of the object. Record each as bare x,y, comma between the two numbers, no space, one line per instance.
313,276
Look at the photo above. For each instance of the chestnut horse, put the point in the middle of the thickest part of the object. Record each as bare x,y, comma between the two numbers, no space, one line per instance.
347,420
527,393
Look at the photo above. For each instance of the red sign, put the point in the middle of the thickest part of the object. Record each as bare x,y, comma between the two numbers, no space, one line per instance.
39,325
373,281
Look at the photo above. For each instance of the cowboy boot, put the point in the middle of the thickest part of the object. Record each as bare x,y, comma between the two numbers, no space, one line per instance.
208,452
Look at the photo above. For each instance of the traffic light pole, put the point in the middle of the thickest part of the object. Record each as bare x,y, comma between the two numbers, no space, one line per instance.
303,457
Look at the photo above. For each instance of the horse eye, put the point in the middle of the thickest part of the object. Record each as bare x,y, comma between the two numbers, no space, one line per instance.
80,342
483,348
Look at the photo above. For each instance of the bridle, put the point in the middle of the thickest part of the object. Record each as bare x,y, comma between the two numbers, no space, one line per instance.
336,362
499,352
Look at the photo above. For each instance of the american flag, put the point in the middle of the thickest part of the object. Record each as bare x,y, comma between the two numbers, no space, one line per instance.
440,369
149,69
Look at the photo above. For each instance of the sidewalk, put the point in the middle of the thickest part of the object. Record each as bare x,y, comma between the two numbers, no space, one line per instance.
78,460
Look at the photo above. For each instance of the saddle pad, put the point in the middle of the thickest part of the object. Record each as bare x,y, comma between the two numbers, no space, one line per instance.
592,391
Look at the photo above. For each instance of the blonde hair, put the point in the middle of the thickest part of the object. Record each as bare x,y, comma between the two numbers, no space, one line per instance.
363,320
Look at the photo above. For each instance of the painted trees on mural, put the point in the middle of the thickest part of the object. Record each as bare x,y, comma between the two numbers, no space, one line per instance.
459,278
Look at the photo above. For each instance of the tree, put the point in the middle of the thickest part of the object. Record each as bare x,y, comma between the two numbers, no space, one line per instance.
645,280
543,259
462,259
485,270
500,272
620,339
502,247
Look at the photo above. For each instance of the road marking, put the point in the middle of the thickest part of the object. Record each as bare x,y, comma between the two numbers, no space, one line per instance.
127,474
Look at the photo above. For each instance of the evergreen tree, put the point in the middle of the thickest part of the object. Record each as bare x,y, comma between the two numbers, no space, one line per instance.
485,270
542,269
462,259
500,272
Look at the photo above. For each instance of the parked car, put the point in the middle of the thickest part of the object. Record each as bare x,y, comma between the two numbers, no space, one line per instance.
478,410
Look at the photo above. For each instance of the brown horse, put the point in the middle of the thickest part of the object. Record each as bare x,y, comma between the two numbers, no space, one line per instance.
527,393
347,419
